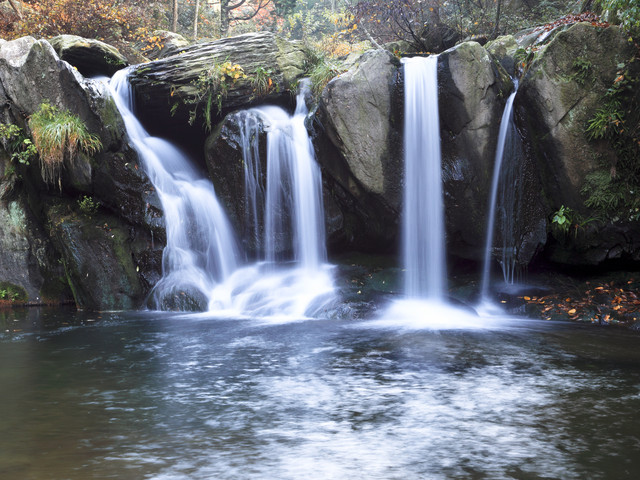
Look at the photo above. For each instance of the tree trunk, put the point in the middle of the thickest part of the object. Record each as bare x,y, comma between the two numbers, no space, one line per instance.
224,19
174,25
496,28
195,21
15,7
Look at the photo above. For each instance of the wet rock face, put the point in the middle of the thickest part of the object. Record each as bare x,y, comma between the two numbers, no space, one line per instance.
101,257
359,147
472,94
559,101
32,73
225,162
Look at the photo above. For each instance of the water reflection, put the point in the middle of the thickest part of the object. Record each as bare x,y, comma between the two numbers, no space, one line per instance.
187,397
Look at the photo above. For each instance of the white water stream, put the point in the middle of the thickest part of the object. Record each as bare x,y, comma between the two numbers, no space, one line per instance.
201,249
508,256
423,217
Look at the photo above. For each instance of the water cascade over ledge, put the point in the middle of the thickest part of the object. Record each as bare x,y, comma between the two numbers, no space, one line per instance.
424,305
201,250
285,215
201,267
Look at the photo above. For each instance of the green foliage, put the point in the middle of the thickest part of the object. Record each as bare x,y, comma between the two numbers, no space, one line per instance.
321,69
615,197
605,121
58,134
582,70
20,147
261,81
626,12
12,293
565,220
562,219
612,190
213,86
88,206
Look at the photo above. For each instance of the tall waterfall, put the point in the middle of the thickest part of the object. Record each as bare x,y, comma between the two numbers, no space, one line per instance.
423,217
201,249
504,204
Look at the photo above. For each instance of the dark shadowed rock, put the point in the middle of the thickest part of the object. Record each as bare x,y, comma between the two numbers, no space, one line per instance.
31,73
91,57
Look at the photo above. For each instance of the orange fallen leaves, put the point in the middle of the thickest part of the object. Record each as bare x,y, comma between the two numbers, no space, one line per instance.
604,303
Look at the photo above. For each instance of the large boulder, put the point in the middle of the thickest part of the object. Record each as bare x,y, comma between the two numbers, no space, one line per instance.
562,90
558,100
169,88
359,148
91,57
356,108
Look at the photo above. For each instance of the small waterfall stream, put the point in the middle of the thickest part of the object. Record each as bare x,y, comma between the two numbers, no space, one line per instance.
201,250
423,216
504,205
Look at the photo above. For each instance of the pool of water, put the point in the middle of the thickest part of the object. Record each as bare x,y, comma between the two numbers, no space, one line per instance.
167,396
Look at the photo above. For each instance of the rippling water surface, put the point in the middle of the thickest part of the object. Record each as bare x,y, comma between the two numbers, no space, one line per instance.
166,396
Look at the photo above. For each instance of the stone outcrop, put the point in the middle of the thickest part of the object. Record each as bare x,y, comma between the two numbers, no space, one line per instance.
32,73
91,57
359,147
473,89
563,88
168,88
559,104
356,108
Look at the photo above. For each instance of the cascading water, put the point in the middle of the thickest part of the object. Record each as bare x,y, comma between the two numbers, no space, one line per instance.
423,220
200,261
201,249
503,183
290,206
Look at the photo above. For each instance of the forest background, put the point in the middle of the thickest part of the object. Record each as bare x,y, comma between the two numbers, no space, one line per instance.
334,28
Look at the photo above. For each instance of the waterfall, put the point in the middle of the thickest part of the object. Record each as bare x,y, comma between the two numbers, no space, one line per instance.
294,279
423,220
507,203
201,249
